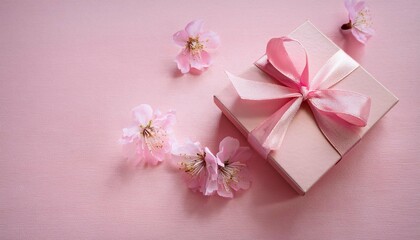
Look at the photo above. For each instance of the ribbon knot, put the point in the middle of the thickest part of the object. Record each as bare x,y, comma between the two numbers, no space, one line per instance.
337,112
306,93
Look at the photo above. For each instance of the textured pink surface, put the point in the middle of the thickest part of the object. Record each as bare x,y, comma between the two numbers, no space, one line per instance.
70,72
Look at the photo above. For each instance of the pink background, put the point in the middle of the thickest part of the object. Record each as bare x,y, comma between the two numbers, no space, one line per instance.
70,72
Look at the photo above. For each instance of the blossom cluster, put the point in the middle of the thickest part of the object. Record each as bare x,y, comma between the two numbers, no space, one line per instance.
205,172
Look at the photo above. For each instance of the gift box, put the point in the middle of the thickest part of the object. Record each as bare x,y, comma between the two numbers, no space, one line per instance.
311,141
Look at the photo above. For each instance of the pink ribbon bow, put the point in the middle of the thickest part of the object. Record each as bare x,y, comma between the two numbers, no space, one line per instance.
338,113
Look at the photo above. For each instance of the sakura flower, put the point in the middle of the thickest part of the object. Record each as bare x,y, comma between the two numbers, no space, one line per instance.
199,166
233,172
151,132
360,20
195,42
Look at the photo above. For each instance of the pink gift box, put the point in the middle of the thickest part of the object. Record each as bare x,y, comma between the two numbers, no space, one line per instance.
305,154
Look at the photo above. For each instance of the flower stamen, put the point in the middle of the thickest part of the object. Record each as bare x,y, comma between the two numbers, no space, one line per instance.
194,45
195,165
230,173
152,136
363,19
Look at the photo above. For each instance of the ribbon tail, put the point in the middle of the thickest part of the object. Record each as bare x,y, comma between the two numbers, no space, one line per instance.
339,114
341,135
253,90
270,134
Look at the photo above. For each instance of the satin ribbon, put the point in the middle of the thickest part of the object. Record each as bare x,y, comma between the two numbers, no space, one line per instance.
338,113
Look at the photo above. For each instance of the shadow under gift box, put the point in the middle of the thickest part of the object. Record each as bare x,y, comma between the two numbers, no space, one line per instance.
305,154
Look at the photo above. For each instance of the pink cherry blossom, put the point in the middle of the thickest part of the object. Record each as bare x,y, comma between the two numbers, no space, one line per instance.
233,172
199,166
195,42
360,20
152,134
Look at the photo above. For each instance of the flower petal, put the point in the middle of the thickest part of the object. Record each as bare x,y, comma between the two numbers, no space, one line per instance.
243,154
143,114
197,183
201,60
349,4
156,156
244,181
194,28
183,61
360,36
359,6
152,155
181,38
129,135
211,166
368,31
166,121
224,191
211,163
227,148
205,59
188,149
210,39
